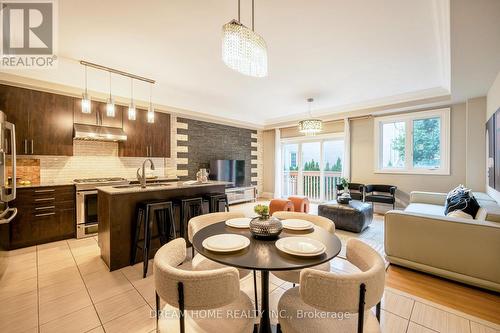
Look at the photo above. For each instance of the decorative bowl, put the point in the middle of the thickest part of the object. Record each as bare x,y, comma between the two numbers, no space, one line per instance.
265,227
344,198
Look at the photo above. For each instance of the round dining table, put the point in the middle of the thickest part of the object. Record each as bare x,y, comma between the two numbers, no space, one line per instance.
264,256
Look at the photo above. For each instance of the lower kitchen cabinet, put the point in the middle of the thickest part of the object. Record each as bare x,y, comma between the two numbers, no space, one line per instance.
45,214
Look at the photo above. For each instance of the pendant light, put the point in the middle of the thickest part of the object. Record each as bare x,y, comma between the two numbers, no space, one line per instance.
243,50
110,104
131,108
151,111
310,126
86,103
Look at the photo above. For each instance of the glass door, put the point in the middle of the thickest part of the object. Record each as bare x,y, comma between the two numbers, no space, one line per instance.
312,167
290,169
311,170
333,154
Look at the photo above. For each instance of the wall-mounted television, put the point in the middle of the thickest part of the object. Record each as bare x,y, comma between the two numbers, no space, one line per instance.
232,171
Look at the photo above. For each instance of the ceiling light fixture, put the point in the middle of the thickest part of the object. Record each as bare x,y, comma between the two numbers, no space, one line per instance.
86,103
110,104
243,50
132,114
151,110
310,126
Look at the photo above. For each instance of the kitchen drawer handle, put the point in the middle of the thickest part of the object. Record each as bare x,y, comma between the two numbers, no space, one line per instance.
44,191
46,207
25,147
31,147
45,214
45,199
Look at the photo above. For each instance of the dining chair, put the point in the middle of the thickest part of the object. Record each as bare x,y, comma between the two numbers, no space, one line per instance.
340,302
293,276
199,262
187,292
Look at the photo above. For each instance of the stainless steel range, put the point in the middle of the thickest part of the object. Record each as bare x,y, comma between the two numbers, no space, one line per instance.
86,203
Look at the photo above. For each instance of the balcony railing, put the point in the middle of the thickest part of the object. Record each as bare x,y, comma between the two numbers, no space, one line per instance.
311,184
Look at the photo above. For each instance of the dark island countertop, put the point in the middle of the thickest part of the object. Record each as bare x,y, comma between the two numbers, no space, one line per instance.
117,211
166,186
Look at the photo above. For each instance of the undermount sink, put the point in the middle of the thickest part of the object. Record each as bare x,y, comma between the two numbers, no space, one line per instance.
138,186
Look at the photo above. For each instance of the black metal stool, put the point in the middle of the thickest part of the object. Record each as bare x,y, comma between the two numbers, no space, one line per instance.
161,212
189,208
214,201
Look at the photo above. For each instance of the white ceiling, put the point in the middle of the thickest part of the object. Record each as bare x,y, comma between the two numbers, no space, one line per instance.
345,54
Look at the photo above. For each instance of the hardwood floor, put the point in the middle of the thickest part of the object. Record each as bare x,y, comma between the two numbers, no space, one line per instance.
474,301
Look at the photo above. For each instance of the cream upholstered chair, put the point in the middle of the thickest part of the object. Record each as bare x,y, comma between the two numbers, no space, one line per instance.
320,221
199,262
338,294
185,290
197,223
201,221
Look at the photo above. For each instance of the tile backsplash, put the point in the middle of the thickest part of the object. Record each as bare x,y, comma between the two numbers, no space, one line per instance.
95,159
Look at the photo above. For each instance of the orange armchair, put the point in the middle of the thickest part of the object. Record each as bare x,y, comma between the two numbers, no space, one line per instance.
300,203
280,205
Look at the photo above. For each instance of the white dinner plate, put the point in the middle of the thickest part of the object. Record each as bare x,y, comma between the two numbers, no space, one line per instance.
300,246
239,222
296,224
225,243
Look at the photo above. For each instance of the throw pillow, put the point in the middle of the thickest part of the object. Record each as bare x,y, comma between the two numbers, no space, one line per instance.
462,199
459,214
481,215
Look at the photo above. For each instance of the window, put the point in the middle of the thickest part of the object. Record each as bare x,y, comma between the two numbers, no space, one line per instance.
413,143
293,158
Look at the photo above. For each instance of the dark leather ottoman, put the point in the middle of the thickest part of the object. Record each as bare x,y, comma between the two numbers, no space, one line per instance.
354,216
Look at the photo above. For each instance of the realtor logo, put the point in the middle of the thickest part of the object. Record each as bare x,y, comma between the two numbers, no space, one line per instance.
28,33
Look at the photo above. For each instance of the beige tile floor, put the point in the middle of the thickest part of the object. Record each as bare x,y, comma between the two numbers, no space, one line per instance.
65,287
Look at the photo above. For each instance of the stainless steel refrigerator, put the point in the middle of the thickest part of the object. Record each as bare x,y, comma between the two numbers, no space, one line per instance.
7,185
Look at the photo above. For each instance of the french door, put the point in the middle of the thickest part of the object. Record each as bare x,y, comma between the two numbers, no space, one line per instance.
312,167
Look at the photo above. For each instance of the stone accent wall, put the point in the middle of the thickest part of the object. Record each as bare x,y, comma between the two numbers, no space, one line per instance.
257,163
199,142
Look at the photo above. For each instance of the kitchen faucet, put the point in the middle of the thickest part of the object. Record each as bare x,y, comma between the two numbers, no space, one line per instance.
142,178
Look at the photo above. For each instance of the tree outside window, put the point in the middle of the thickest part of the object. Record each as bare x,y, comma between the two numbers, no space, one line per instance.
414,142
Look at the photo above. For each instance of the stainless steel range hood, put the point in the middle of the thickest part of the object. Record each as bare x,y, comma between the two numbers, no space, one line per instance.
98,133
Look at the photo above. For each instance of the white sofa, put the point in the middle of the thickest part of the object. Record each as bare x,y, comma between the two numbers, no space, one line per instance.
466,250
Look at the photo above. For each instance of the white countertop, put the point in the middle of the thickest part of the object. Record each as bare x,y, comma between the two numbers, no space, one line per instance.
155,187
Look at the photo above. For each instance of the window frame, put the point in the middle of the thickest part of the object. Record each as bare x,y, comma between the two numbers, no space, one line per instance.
408,118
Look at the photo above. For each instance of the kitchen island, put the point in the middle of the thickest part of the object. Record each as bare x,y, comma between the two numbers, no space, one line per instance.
117,214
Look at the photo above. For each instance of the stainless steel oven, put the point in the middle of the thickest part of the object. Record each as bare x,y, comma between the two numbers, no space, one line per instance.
87,218
86,213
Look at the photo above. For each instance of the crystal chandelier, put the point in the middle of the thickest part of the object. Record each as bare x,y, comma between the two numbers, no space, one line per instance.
310,126
243,50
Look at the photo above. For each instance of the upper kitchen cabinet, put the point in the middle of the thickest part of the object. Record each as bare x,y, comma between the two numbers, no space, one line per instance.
146,139
44,121
159,136
97,115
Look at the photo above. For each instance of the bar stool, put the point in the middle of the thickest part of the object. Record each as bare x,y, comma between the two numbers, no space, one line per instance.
149,212
189,208
214,201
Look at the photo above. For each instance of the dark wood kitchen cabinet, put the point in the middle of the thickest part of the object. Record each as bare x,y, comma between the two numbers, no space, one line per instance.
97,115
44,121
45,214
146,139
